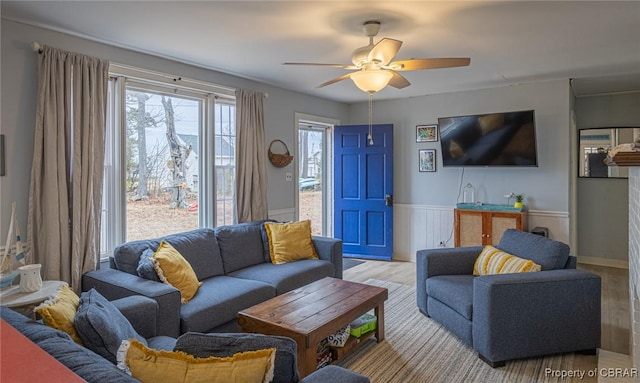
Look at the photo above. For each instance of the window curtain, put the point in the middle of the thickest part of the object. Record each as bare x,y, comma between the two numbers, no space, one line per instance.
66,175
251,157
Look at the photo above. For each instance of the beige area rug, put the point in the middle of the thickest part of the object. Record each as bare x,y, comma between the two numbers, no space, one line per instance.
418,349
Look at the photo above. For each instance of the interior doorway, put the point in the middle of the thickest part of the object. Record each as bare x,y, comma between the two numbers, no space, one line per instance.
314,170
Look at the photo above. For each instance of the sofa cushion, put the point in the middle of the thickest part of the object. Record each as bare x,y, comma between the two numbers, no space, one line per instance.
59,312
455,291
176,271
287,276
145,267
494,261
199,247
224,345
149,365
101,326
290,241
549,254
240,245
219,301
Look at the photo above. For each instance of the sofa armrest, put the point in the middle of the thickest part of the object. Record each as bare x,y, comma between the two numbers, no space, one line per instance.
330,249
114,284
529,314
449,261
142,313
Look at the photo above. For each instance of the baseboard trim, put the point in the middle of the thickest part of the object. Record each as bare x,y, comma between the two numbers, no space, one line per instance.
597,261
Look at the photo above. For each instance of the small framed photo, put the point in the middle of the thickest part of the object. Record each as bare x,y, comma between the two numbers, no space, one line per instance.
426,133
427,160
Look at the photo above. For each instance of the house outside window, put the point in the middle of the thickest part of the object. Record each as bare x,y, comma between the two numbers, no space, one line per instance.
169,158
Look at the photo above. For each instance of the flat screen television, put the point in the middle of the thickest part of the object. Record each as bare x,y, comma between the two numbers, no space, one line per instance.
493,139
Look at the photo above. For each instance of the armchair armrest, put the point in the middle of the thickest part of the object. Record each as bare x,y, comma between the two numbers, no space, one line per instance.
330,249
142,313
527,314
449,261
114,284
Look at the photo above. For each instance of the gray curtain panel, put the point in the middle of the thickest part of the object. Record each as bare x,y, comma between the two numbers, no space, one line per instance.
251,157
66,176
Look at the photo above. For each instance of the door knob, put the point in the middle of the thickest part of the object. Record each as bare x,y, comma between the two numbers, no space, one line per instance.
388,200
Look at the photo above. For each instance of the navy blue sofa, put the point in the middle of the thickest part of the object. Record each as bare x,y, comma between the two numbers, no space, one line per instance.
512,316
232,262
142,314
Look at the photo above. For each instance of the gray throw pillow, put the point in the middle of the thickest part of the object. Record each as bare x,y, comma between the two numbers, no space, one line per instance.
226,344
101,326
145,266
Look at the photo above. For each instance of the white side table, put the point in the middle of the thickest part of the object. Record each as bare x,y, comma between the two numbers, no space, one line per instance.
25,302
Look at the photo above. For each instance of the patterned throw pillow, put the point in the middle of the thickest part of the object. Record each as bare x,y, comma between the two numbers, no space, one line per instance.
149,365
495,261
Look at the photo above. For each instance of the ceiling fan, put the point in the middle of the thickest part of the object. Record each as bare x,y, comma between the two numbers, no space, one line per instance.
373,68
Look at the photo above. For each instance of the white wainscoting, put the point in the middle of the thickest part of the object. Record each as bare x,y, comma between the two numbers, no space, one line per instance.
283,215
418,227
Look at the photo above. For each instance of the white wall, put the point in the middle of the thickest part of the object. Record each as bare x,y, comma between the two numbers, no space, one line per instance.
18,70
425,200
602,215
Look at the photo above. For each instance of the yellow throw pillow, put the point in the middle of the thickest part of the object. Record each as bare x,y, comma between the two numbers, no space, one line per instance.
290,241
495,261
148,365
59,312
176,271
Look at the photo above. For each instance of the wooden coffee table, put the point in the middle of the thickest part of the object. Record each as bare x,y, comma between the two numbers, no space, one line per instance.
313,312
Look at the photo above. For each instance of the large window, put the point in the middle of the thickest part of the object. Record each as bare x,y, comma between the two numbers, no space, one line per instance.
169,160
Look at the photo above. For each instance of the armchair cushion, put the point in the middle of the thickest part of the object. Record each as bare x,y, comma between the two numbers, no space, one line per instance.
549,254
493,261
456,291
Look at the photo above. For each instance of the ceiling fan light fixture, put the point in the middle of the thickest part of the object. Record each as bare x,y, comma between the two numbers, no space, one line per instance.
370,80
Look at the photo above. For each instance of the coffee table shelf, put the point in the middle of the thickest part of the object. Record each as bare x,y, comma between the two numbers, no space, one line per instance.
311,313
338,353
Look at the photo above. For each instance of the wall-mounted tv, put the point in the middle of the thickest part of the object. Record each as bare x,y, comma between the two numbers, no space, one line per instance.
494,139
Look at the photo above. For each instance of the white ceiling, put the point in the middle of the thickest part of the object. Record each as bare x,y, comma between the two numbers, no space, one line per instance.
509,42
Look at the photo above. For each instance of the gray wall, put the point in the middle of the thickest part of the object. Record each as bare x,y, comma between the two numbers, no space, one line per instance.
18,69
602,222
545,187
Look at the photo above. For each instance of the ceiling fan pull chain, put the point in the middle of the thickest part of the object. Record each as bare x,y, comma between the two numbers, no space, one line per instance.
370,136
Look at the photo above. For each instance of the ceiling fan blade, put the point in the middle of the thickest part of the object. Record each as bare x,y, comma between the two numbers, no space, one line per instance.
435,63
343,66
398,81
337,79
384,51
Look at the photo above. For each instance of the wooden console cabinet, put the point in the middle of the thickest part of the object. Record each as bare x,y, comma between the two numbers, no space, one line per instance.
481,227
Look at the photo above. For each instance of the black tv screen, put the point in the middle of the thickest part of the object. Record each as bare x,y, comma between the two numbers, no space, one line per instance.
494,139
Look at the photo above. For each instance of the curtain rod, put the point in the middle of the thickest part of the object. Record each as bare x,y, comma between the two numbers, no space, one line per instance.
38,48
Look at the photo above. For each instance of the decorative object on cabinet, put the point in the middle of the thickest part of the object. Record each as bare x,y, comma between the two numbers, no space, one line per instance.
518,204
426,133
479,227
427,160
280,160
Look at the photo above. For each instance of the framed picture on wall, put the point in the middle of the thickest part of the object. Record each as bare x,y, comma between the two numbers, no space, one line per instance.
427,160
426,133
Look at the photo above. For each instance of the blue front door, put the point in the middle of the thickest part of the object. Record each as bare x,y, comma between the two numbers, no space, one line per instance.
363,181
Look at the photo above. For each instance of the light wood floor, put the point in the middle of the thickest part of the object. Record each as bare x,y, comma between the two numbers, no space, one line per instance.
615,303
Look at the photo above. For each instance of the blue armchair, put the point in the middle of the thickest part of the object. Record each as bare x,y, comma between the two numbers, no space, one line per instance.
512,316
